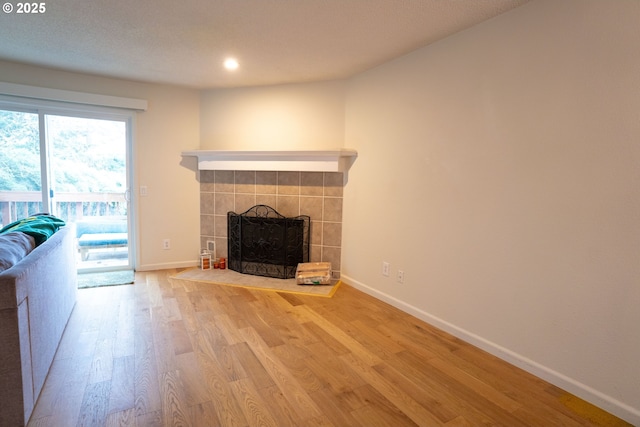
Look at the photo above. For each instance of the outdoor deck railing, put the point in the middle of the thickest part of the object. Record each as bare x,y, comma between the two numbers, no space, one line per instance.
70,207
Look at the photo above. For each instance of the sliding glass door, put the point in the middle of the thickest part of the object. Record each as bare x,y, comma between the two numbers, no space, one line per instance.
88,178
73,165
20,178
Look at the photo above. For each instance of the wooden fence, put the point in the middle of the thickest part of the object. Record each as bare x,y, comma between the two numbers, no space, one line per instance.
70,207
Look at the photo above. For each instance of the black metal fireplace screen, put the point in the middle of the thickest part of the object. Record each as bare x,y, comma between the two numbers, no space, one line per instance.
263,242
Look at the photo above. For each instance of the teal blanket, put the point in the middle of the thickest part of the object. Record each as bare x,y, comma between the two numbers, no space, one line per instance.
40,227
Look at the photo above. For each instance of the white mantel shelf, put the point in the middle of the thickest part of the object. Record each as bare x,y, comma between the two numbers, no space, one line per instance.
303,160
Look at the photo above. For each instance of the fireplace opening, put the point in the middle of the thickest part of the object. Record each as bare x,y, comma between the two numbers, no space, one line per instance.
262,242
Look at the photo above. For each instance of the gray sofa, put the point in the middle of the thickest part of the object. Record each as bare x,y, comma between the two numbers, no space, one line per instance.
37,296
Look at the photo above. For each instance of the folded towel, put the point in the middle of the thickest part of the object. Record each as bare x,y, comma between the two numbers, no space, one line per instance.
39,226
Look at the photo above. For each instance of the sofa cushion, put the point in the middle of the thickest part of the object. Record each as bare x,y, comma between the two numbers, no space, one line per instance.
101,225
103,239
13,247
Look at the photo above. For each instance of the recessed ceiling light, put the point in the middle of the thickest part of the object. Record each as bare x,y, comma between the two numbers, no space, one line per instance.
230,64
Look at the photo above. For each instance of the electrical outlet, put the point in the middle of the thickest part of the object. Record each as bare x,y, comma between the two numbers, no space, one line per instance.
385,268
400,276
166,244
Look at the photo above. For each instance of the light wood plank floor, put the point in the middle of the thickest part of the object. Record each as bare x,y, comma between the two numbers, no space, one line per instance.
166,352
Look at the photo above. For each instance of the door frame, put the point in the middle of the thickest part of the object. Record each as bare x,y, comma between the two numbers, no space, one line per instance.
46,107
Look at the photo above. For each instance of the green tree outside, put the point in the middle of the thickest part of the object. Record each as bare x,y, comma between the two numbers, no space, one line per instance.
87,155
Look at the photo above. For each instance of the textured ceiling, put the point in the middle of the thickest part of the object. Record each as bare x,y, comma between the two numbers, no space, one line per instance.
276,41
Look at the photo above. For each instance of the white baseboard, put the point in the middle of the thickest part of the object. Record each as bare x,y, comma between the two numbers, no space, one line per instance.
166,266
601,400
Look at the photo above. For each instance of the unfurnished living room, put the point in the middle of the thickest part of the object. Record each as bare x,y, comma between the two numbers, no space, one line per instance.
450,191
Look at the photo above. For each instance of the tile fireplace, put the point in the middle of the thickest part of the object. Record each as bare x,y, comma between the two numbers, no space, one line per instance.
316,194
293,183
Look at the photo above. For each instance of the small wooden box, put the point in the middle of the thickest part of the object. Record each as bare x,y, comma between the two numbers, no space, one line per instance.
313,273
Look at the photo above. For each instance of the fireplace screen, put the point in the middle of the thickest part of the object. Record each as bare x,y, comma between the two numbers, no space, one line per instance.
264,243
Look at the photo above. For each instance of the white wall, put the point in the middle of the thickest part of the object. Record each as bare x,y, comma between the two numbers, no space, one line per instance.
500,169
169,126
282,117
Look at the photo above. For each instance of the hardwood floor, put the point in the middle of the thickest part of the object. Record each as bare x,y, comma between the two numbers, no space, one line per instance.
166,352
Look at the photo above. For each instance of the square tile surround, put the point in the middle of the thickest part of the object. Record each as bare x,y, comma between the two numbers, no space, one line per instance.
317,194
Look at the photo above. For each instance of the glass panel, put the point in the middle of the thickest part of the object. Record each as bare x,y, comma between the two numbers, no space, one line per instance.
20,179
87,159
